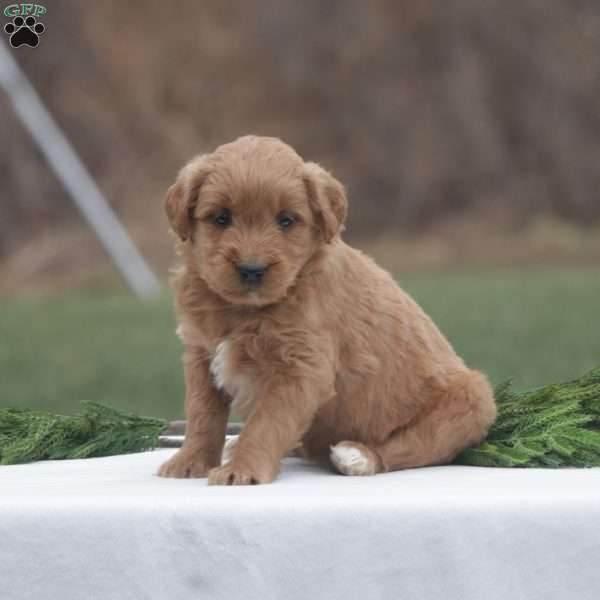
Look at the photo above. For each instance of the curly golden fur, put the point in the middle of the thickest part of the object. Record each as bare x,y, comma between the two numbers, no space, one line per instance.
305,337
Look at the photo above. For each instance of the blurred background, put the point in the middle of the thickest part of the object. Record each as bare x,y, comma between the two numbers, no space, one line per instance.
467,133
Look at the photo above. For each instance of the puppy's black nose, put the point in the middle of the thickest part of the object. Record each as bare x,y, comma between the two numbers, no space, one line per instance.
251,272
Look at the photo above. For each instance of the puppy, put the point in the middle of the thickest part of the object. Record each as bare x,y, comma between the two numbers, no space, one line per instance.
303,336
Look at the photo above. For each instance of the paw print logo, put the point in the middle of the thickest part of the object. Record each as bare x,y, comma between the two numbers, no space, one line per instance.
24,32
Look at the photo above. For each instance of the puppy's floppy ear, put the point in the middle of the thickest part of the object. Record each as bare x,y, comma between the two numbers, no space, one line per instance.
327,199
183,195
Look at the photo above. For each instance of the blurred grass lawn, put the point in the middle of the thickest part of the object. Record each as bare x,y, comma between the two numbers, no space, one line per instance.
536,326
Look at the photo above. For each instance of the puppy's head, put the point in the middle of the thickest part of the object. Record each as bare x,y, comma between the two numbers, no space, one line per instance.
251,215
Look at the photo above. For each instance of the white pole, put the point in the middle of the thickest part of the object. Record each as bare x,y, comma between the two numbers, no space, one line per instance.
75,177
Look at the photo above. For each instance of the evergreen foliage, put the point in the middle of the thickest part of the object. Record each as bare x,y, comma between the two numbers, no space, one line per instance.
28,435
557,425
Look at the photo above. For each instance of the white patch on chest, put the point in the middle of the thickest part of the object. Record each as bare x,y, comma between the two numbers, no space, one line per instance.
227,380
218,366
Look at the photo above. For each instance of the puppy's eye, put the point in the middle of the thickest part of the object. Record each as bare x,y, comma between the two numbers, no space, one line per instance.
222,218
285,221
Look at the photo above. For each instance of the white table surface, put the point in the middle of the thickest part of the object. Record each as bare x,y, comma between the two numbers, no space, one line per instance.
108,528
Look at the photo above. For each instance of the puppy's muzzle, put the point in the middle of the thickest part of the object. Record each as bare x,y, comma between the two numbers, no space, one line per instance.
251,273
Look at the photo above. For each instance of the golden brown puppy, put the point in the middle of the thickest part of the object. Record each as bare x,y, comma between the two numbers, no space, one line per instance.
308,339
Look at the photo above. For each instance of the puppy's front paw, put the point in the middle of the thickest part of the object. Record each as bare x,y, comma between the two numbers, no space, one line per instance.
184,464
231,474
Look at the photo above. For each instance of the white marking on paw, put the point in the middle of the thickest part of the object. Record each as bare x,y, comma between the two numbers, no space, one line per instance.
350,460
228,449
218,366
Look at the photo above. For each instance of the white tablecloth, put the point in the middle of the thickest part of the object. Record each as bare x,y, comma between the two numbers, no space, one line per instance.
109,529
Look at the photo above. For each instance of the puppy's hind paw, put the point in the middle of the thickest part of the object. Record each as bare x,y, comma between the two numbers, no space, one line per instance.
354,458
